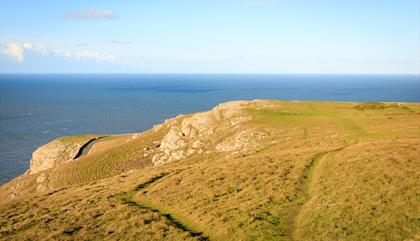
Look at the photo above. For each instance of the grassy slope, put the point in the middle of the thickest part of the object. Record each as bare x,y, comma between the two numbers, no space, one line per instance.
369,196
328,171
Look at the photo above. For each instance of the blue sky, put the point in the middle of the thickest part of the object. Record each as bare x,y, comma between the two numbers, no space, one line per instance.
213,36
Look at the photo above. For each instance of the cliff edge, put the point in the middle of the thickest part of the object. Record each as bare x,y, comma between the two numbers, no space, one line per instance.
245,170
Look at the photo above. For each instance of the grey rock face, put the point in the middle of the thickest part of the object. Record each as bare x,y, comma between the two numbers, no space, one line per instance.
52,154
45,157
216,130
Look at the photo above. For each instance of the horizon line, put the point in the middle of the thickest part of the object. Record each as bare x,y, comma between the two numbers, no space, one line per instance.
200,73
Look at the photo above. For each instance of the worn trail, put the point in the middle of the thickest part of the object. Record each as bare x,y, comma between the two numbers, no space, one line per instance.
129,199
303,193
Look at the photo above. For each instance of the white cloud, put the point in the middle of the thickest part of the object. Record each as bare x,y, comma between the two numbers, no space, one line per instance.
27,45
122,42
83,55
91,15
41,48
61,53
17,51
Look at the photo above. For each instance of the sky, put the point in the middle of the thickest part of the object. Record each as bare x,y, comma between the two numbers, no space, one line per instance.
210,36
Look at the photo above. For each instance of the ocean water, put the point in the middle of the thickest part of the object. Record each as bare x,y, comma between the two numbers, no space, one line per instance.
36,108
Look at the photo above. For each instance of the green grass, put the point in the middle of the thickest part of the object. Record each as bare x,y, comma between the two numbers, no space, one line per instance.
352,127
273,113
372,194
325,171
77,139
380,106
122,157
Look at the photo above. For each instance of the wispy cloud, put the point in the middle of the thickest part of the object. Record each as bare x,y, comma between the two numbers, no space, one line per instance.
100,57
14,51
91,15
17,52
39,47
122,42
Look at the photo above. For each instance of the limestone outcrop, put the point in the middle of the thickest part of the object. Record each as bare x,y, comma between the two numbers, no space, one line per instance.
51,154
243,141
216,130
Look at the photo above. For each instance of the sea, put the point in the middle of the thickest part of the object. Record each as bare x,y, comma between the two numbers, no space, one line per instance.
37,108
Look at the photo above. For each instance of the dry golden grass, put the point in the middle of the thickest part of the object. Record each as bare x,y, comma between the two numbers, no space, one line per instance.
373,194
77,139
326,171
110,157
91,212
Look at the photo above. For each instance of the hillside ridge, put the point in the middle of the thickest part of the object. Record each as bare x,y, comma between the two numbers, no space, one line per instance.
245,170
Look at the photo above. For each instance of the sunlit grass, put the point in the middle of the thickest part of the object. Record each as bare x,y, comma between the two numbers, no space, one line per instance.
326,171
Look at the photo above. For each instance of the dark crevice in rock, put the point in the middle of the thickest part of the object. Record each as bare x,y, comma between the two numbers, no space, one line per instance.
83,150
